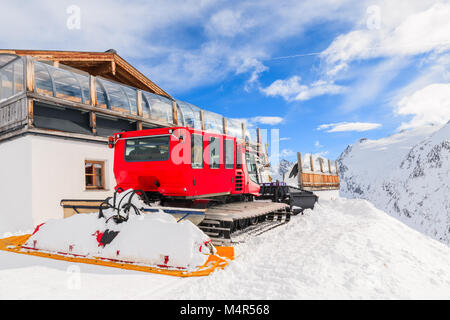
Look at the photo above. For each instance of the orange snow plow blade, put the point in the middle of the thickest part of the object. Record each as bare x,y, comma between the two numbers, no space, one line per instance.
215,262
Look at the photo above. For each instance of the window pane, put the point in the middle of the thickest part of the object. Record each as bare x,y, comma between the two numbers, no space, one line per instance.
98,169
98,181
84,82
251,167
213,122
229,154
89,181
11,76
42,79
67,86
197,151
18,76
145,107
160,107
234,128
6,58
180,116
88,169
191,115
6,78
131,94
118,100
102,100
147,149
214,152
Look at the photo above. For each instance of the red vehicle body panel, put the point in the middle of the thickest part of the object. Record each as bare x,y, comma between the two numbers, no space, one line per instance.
175,177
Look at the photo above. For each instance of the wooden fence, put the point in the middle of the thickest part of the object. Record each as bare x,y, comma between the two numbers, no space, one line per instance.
317,178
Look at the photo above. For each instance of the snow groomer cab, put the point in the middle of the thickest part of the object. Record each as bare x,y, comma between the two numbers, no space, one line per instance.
184,164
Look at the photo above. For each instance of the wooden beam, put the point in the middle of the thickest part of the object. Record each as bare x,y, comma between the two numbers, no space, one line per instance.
202,119
224,124
321,164
243,130
311,162
329,166
140,110
93,90
258,140
29,65
124,77
175,113
93,122
30,112
300,169
105,68
139,125
113,67
267,154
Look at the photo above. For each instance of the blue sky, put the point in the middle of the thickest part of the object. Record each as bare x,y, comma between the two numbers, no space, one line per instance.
325,73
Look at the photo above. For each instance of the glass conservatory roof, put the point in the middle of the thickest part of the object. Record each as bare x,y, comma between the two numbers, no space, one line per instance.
72,84
7,58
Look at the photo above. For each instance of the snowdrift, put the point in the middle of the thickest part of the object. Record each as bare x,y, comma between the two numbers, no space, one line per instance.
406,174
343,249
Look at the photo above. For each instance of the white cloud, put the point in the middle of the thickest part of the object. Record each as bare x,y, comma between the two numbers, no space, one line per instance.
404,29
434,68
429,105
267,120
403,33
285,138
229,23
42,25
180,44
256,68
292,90
317,144
349,126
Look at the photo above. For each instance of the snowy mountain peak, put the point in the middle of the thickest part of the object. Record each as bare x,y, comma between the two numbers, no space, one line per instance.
406,174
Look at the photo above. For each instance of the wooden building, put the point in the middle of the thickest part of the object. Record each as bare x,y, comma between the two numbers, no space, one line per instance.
57,109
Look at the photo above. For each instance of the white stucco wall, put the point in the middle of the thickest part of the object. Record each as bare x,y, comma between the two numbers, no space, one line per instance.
58,173
37,172
15,186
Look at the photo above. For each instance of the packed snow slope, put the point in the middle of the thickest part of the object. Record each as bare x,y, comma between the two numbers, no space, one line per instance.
406,175
344,249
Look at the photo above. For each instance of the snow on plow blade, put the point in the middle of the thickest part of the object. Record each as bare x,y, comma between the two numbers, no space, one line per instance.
120,236
215,262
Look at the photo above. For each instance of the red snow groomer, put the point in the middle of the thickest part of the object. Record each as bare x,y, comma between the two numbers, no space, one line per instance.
173,174
182,168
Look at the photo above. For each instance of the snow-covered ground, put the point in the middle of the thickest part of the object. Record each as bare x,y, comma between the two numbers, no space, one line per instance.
406,174
344,249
